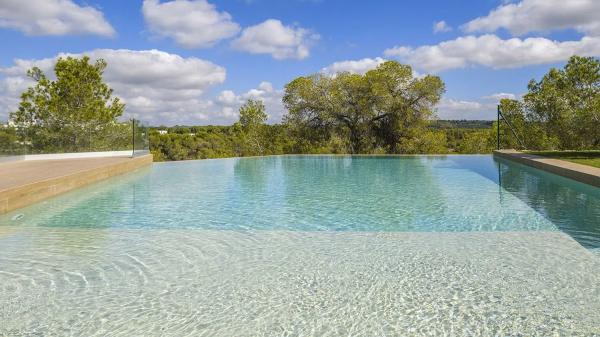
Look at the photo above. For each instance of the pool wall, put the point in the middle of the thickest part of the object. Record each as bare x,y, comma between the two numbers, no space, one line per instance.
578,172
39,184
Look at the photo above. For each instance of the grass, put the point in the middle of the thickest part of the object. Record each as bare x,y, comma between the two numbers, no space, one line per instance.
591,158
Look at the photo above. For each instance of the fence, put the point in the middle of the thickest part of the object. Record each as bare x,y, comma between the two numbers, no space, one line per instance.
66,140
501,134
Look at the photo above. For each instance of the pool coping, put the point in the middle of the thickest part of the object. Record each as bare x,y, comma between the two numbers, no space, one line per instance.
582,173
33,191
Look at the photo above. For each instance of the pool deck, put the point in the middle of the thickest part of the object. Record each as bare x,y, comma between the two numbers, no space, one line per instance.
26,182
582,173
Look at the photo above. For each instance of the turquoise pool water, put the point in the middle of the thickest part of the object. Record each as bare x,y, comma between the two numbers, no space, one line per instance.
332,193
458,193
308,245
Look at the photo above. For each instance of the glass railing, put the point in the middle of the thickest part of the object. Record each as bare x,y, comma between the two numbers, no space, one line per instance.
92,137
140,134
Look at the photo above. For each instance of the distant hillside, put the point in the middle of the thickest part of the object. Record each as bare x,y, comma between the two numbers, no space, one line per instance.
461,124
438,124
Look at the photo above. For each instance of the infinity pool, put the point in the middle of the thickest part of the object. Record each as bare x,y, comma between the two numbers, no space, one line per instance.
308,245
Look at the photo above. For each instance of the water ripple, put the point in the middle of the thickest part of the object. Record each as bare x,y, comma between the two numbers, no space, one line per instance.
273,283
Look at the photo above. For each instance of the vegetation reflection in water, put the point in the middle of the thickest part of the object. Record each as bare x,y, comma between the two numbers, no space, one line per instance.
307,245
572,206
333,193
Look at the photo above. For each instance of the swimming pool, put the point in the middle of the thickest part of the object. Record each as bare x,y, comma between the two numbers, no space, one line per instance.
308,245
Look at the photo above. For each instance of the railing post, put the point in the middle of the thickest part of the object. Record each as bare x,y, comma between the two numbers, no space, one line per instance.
498,127
510,126
132,137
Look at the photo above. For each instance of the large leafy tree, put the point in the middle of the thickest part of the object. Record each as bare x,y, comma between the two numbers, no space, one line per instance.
404,103
381,108
562,110
567,103
252,114
75,111
251,126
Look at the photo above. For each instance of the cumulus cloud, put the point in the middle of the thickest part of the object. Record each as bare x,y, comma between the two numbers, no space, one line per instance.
272,37
481,108
519,18
10,89
499,96
229,102
441,27
491,51
157,86
191,23
228,97
449,108
540,15
353,66
53,17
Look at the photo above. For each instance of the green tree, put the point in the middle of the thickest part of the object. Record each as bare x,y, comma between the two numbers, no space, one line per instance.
404,104
567,103
425,141
378,109
71,113
562,110
251,126
483,141
9,144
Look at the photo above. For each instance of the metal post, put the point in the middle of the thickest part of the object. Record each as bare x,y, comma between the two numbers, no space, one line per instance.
133,137
498,127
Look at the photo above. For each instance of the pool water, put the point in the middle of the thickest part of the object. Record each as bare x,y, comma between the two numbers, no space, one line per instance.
308,245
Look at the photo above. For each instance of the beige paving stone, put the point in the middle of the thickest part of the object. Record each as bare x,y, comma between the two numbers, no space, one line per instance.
582,173
23,183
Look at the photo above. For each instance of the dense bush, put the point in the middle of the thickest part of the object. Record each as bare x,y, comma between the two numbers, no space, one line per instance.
559,112
200,142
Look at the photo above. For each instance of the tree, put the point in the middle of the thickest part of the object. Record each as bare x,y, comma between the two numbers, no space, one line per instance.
251,125
378,109
567,103
483,141
73,112
404,104
562,110
9,144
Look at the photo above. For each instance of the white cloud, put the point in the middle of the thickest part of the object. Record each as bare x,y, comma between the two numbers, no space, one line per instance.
449,108
441,27
191,23
540,16
157,86
481,108
492,51
53,17
460,104
11,88
228,97
353,66
230,102
272,37
501,95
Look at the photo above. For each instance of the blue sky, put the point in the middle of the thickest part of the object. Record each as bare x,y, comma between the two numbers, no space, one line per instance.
196,61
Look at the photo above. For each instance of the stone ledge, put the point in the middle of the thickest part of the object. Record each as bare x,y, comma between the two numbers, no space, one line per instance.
578,172
35,189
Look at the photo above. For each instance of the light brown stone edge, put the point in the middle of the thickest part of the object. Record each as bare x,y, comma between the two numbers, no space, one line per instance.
578,172
21,196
